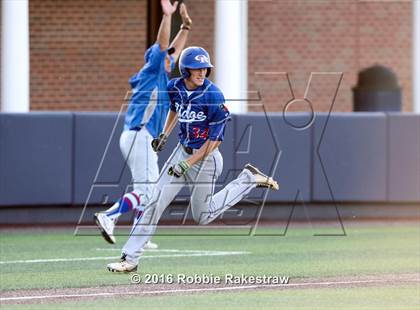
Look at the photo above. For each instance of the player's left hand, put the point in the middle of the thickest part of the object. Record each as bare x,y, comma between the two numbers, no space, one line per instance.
167,7
186,19
179,169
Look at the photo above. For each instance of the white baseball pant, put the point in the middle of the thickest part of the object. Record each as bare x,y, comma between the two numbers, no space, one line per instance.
142,161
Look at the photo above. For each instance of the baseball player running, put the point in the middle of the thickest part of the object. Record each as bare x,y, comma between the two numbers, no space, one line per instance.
144,120
198,106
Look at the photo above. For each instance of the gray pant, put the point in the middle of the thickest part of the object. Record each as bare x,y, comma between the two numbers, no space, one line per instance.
205,205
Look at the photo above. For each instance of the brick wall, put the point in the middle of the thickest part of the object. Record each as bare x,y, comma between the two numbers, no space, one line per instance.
83,52
300,37
385,37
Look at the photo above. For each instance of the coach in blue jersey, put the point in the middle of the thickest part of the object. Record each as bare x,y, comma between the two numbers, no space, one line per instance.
198,106
144,119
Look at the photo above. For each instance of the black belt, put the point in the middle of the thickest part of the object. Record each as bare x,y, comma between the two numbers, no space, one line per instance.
188,150
137,128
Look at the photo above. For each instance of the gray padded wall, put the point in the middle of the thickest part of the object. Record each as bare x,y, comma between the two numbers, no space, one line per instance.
278,148
35,158
93,131
404,157
53,158
353,151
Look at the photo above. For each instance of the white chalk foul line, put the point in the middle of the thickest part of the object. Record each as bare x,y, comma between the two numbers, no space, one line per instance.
78,259
210,289
157,250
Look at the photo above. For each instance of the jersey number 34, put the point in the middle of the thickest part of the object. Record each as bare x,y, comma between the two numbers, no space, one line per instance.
198,133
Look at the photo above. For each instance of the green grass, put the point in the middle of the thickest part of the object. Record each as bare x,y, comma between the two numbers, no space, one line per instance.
366,250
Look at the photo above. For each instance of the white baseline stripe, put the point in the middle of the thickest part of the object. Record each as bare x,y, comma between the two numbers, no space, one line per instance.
88,228
225,288
170,250
78,259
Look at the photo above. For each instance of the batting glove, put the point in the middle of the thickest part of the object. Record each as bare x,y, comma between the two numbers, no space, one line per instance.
179,169
186,19
159,142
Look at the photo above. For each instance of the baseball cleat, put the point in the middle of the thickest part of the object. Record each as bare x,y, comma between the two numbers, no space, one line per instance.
150,246
261,179
106,226
122,266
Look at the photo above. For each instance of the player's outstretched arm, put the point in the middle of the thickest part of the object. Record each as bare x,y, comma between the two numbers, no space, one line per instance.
181,38
165,25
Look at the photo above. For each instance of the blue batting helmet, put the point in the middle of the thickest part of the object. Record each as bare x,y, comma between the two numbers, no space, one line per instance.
194,58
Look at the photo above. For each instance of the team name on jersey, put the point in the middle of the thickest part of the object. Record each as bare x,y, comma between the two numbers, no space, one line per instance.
188,116
191,116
